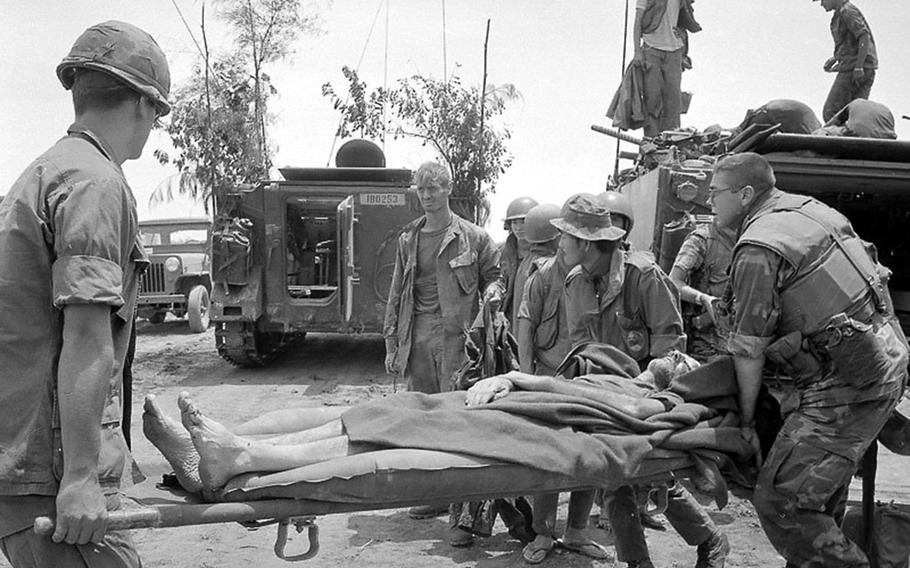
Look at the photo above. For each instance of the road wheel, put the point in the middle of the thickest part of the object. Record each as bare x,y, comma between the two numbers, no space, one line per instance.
157,317
197,309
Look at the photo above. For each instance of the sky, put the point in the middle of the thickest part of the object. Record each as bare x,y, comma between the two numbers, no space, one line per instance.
564,57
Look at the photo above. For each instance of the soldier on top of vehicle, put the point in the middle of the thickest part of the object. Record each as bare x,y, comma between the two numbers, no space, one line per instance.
855,58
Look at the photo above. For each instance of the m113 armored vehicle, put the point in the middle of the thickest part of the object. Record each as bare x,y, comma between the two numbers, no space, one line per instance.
866,179
312,252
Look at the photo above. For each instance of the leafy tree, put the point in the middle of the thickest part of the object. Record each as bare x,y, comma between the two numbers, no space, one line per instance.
443,114
213,130
220,116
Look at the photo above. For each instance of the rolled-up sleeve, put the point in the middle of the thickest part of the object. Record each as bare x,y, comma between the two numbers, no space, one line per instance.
756,274
691,255
855,22
88,223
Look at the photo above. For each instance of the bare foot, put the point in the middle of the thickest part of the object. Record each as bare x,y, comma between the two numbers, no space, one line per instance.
222,455
174,443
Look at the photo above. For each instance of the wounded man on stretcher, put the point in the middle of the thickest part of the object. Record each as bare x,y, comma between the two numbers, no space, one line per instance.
598,429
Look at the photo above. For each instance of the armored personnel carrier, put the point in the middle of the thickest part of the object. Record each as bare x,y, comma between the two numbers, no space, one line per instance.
866,179
314,252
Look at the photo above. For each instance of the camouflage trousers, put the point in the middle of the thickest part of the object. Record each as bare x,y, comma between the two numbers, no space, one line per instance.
802,488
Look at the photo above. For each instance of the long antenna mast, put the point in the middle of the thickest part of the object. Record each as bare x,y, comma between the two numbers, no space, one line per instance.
445,71
483,96
385,77
625,43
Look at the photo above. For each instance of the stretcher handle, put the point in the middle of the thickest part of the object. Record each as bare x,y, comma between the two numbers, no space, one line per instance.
182,514
116,520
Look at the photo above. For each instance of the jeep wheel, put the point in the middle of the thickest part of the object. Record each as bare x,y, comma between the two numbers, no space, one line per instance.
157,317
197,309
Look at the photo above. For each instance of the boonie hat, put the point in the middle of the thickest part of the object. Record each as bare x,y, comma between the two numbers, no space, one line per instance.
584,216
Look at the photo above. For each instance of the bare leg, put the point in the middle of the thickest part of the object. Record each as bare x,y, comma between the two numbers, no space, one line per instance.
173,441
290,420
331,429
223,455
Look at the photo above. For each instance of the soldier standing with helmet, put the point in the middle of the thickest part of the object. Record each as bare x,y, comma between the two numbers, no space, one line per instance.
808,294
514,258
70,261
620,297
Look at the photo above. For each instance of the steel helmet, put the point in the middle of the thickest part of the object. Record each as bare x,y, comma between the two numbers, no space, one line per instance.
538,228
124,51
517,209
619,204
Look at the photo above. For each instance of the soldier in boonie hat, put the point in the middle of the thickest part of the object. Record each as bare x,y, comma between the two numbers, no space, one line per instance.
585,217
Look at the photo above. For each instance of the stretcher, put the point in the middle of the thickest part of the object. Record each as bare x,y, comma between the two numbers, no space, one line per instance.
385,479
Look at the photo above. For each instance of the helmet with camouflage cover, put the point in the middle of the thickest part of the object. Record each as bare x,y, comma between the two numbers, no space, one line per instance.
124,51
538,228
619,205
517,209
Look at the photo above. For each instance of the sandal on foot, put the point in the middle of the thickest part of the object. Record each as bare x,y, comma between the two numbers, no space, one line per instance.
535,552
588,548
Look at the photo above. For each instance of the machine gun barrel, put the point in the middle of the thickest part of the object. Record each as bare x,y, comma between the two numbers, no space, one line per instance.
618,134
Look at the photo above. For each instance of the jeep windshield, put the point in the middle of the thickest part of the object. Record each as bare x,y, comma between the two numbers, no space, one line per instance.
162,238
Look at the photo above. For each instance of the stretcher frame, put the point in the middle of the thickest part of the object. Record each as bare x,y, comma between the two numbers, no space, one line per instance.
184,509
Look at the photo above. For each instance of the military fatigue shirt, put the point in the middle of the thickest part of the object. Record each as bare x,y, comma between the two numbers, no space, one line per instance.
467,262
704,257
68,235
543,306
631,305
848,25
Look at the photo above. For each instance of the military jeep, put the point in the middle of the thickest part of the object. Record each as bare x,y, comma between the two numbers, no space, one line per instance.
178,279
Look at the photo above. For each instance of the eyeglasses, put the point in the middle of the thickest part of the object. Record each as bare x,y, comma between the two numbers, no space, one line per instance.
714,191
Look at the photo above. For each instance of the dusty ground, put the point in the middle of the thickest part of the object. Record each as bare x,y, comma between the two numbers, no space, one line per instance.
335,370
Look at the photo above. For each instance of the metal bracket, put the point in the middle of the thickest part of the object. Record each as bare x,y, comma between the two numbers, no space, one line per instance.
300,524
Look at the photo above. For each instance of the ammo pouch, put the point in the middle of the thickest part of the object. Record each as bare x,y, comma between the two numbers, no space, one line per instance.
794,356
856,350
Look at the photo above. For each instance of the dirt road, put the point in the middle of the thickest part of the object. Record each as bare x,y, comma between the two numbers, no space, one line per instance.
334,370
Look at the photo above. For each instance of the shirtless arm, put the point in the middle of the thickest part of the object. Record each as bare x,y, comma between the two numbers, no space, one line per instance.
86,363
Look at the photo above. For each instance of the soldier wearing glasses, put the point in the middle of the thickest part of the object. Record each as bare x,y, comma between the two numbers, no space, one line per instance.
809,295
